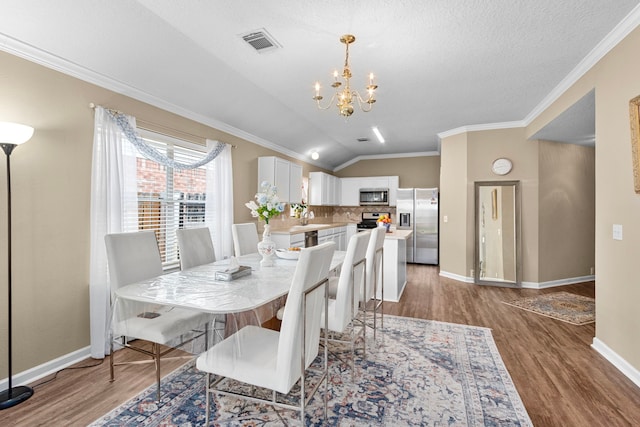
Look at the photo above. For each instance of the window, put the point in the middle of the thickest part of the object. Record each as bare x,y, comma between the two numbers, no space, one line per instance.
169,199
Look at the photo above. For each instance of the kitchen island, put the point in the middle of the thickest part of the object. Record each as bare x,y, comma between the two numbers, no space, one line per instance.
394,265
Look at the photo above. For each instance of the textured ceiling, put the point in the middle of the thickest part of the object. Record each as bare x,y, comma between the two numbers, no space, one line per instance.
440,64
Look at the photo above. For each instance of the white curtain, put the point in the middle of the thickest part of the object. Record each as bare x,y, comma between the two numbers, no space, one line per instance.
219,201
113,193
114,206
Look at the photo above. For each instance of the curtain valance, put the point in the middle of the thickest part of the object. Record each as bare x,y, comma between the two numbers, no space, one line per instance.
151,153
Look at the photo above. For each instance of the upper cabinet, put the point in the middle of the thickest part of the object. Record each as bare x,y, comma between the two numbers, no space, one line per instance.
394,183
350,195
324,189
286,176
295,183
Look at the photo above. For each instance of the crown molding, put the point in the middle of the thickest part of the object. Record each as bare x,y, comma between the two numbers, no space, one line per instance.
54,62
611,40
622,30
385,156
475,128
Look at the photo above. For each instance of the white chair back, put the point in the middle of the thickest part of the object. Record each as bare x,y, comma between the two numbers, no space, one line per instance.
245,238
195,246
374,262
351,278
132,257
313,266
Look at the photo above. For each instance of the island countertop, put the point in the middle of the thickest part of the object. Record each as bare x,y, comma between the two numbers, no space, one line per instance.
297,229
398,234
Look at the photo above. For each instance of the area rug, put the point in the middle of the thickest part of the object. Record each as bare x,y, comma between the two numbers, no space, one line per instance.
418,372
565,306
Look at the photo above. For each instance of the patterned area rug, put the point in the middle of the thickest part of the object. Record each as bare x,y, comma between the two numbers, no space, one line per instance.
418,372
565,306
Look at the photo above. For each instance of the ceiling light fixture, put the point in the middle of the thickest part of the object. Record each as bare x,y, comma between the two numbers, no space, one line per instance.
346,97
378,134
315,155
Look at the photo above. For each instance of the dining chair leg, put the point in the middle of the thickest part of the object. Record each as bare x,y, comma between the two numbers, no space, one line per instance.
157,363
111,371
206,334
375,307
208,397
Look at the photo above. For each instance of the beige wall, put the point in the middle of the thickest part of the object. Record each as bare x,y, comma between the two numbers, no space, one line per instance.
567,210
423,171
482,148
615,79
456,245
617,287
51,177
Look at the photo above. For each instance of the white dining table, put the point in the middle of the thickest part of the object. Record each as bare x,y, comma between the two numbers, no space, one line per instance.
197,288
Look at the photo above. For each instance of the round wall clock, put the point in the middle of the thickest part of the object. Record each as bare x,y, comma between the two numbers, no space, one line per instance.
501,166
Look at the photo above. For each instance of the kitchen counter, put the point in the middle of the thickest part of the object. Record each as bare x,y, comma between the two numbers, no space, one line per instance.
297,229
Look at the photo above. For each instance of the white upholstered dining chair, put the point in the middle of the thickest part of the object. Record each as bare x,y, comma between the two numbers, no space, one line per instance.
134,257
196,248
374,279
277,359
343,304
245,238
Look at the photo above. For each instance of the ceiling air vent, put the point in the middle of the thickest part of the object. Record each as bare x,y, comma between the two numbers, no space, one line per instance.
363,139
261,41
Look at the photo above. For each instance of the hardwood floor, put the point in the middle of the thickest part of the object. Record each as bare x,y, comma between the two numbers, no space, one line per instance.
561,380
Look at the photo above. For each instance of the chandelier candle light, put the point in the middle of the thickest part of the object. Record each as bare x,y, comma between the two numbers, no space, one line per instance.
346,97
268,206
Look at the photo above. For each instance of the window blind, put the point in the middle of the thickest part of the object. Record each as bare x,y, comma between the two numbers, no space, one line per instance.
169,199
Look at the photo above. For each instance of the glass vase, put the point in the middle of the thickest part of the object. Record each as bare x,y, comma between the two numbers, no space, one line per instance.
266,247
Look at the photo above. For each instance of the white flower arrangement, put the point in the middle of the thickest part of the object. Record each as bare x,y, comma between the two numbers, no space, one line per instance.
268,204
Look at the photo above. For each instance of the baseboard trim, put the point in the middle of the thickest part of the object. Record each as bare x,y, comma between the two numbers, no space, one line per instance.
622,365
47,368
456,277
561,282
528,285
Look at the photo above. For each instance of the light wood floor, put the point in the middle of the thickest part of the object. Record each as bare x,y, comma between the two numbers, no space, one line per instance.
561,380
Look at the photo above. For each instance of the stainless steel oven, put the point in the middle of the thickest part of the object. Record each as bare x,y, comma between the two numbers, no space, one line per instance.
374,197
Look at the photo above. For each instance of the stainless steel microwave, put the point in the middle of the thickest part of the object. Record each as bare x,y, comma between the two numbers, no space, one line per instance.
374,197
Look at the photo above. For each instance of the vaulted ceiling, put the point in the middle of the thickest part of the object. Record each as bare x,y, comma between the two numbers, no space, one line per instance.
439,64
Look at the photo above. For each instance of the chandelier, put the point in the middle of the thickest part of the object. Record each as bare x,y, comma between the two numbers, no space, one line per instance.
347,97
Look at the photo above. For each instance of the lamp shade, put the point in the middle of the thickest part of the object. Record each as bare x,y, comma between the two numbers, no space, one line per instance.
14,133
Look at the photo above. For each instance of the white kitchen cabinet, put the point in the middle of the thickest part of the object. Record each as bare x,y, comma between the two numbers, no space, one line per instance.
374,182
284,241
324,189
351,229
286,176
340,237
394,183
295,183
350,191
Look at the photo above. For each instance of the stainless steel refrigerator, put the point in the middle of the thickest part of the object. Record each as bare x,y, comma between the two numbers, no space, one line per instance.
417,210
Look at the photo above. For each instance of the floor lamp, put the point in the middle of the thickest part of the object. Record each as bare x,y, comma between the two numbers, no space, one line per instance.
12,134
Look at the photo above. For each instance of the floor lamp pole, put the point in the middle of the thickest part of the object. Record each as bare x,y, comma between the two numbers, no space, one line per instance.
12,395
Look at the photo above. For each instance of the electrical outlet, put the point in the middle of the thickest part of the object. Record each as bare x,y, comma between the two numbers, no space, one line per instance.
591,271
445,218
472,271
